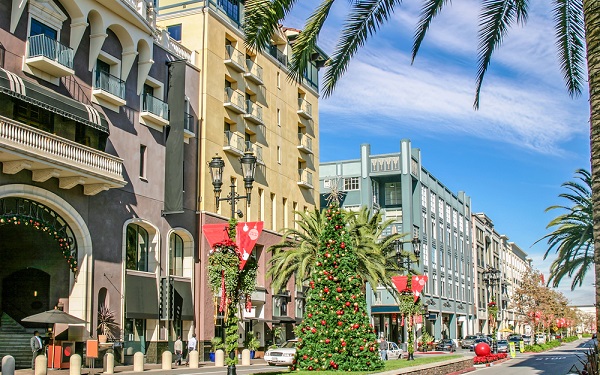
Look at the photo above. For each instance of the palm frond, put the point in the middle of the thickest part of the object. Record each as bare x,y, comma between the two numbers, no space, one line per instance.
365,19
570,37
495,19
262,20
429,11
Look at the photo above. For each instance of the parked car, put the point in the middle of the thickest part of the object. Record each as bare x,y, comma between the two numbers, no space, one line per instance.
446,345
594,336
502,346
515,338
393,351
283,355
467,342
477,341
540,338
527,339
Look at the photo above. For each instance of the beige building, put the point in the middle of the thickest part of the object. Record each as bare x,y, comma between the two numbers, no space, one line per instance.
247,103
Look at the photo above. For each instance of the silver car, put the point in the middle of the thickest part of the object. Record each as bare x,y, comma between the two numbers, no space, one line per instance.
283,355
467,342
393,351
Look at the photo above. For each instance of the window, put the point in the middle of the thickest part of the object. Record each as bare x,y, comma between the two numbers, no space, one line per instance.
278,117
278,80
261,204
38,28
231,8
137,248
175,32
273,212
285,212
351,183
393,194
176,255
143,160
279,154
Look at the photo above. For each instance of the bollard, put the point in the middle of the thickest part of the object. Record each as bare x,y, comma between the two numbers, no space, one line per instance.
109,359
194,359
8,365
41,365
167,358
219,358
138,362
75,365
246,357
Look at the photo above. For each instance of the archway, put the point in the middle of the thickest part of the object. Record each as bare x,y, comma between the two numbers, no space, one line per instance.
26,292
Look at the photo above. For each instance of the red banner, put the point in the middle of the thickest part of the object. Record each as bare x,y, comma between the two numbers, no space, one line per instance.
417,284
246,236
400,282
215,233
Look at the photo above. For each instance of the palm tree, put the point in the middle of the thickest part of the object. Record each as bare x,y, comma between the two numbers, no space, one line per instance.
577,38
295,255
573,238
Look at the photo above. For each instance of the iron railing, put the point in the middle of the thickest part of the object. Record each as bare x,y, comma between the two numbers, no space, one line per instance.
42,45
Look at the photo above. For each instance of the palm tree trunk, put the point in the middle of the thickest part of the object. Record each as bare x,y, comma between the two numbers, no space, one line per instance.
591,14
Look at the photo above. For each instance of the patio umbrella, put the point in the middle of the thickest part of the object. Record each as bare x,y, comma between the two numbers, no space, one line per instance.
53,317
506,330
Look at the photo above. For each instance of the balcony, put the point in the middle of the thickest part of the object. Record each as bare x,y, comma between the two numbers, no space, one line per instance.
304,109
48,156
305,178
189,126
254,72
259,295
234,100
49,56
154,110
108,90
305,143
278,54
234,143
257,150
254,112
234,58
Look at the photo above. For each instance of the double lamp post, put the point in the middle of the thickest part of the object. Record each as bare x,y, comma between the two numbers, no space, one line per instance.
491,277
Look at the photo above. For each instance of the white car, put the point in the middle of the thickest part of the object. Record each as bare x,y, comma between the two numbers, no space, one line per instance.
393,351
283,355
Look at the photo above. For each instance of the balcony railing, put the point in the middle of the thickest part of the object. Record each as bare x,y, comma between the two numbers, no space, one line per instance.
304,142
304,108
188,123
254,112
305,178
256,149
155,106
254,71
47,151
234,142
234,100
234,58
278,54
109,83
42,45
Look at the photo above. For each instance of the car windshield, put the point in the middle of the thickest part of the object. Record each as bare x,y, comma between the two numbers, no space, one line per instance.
502,342
447,342
480,340
289,344
471,337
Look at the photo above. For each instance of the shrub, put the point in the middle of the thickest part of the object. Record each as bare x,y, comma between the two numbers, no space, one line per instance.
489,358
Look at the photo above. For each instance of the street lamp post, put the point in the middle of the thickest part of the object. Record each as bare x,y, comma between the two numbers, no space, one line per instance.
491,276
216,165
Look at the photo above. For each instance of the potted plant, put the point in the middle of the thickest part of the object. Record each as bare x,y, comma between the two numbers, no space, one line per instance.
427,341
106,324
251,344
216,343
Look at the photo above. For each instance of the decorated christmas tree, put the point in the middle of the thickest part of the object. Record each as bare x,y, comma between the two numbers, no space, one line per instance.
335,333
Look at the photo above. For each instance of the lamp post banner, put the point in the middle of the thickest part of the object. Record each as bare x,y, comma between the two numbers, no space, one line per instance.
215,233
400,282
417,284
247,235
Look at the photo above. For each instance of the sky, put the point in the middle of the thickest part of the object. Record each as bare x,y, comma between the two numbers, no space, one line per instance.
510,156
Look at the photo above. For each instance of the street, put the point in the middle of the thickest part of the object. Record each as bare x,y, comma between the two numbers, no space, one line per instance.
555,362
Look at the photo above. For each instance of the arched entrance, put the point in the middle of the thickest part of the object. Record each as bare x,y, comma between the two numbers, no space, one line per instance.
38,251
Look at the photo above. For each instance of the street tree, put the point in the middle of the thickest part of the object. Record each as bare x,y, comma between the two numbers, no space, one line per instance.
572,238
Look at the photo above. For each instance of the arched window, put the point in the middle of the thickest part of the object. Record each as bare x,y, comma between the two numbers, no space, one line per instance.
176,255
137,248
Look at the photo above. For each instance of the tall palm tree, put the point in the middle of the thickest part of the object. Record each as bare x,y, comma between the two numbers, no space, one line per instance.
577,38
295,255
572,238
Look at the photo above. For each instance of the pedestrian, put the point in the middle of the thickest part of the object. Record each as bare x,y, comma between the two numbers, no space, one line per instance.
178,347
191,346
383,346
36,347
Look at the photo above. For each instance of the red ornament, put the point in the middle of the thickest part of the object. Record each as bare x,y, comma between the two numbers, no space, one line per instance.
328,255
331,363
327,341
326,290
343,245
310,315
343,343
340,323
361,347
305,357
348,304
339,290
339,312
323,322
310,368
330,277
482,349
313,330
371,348
356,326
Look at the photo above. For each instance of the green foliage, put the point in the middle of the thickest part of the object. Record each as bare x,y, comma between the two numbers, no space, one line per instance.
231,335
216,343
537,348
335,333
251,342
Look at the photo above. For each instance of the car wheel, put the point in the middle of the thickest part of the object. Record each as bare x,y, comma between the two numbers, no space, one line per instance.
271,364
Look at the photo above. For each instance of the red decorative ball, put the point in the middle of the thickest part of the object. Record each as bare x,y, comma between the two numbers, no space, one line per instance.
348,304
371,348
313,330
326,290
343,343
482,349
361,347
330,277
331,363
323,322
339,290
340,323
340,312
328,255
310,368
356,326
305,357
327,341
310,315
343,245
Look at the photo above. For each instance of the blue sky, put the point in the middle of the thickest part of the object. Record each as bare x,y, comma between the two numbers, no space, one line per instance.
510,157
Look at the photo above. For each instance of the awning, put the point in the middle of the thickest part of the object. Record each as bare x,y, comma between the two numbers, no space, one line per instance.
286,319
141,297
183,300
389,309
31,92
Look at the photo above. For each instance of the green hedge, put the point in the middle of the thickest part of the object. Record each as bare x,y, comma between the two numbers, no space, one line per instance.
548,345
